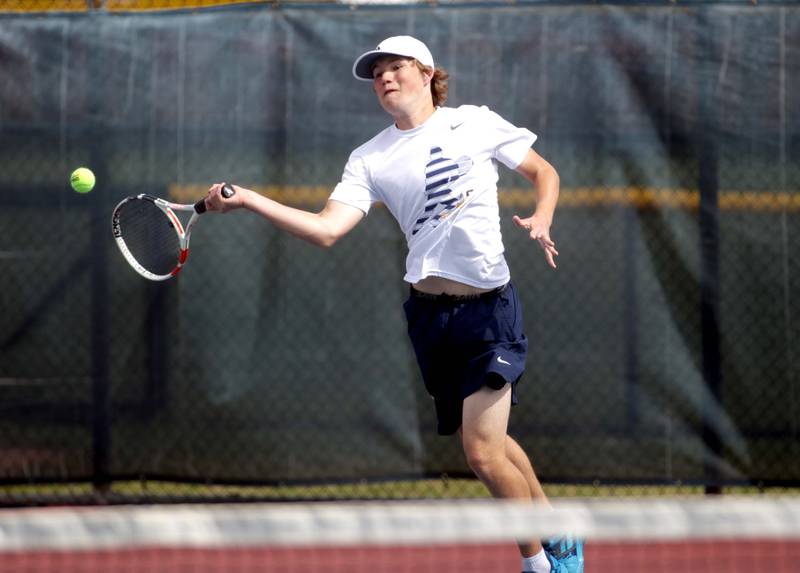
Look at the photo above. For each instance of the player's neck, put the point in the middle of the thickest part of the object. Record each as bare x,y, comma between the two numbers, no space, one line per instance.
415,118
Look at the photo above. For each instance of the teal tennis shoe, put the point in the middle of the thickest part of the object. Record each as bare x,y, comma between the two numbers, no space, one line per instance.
565,554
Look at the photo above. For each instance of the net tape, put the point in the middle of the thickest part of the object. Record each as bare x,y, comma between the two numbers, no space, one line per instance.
398,523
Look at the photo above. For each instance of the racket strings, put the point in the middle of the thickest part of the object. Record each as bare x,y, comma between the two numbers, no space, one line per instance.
150,236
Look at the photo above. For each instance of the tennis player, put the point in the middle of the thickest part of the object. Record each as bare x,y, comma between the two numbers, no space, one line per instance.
435,169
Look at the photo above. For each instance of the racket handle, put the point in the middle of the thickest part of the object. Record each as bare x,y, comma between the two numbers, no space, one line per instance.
227,192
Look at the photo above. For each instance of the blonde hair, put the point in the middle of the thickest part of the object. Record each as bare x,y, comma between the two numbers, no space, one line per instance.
438,83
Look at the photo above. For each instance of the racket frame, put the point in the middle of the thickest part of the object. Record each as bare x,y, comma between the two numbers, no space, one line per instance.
183,233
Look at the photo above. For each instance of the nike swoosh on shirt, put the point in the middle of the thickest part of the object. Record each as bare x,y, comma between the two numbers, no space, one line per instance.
456,125
501,361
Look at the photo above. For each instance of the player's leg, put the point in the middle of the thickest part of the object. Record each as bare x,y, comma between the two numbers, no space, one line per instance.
566,552
502,466
483,435
520,459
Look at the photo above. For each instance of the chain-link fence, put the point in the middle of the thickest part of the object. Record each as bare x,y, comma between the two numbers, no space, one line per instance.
663,350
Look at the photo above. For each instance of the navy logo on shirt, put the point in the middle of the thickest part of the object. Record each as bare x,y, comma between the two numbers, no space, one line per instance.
440,199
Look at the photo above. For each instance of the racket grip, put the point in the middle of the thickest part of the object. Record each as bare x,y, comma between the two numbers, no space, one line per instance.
227,192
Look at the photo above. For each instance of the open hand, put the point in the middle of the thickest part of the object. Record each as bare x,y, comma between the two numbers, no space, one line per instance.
539,231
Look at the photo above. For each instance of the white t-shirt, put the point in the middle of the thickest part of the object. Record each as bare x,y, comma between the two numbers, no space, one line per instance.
439,180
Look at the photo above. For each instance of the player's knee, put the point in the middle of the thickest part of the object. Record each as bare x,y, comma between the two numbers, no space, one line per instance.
482,459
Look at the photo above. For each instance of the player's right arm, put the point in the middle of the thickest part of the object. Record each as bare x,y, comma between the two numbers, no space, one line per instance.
322,229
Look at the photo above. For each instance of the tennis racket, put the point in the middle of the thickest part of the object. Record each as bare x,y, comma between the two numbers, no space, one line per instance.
150,235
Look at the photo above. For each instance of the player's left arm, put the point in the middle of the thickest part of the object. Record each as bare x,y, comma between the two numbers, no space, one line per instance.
545,180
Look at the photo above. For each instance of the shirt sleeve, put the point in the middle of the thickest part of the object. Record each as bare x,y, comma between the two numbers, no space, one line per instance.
511,142
354,189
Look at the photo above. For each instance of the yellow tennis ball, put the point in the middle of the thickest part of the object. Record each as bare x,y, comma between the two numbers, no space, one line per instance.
82,180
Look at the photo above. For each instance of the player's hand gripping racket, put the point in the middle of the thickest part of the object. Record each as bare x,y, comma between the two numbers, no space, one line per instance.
150,235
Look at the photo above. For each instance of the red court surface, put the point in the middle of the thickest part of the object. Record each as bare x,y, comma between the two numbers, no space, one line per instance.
752,556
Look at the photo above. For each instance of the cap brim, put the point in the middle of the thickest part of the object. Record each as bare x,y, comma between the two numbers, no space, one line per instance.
362,69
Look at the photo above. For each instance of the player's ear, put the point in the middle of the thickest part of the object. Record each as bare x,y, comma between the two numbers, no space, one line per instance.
427,72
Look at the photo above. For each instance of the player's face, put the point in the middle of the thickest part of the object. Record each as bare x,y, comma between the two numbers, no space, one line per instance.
400,85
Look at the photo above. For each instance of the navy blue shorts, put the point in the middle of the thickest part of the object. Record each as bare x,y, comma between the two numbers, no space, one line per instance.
463,344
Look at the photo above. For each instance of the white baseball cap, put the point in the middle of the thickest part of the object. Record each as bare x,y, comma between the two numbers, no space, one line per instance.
395,46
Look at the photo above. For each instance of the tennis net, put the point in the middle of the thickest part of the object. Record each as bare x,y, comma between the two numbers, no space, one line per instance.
727,534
